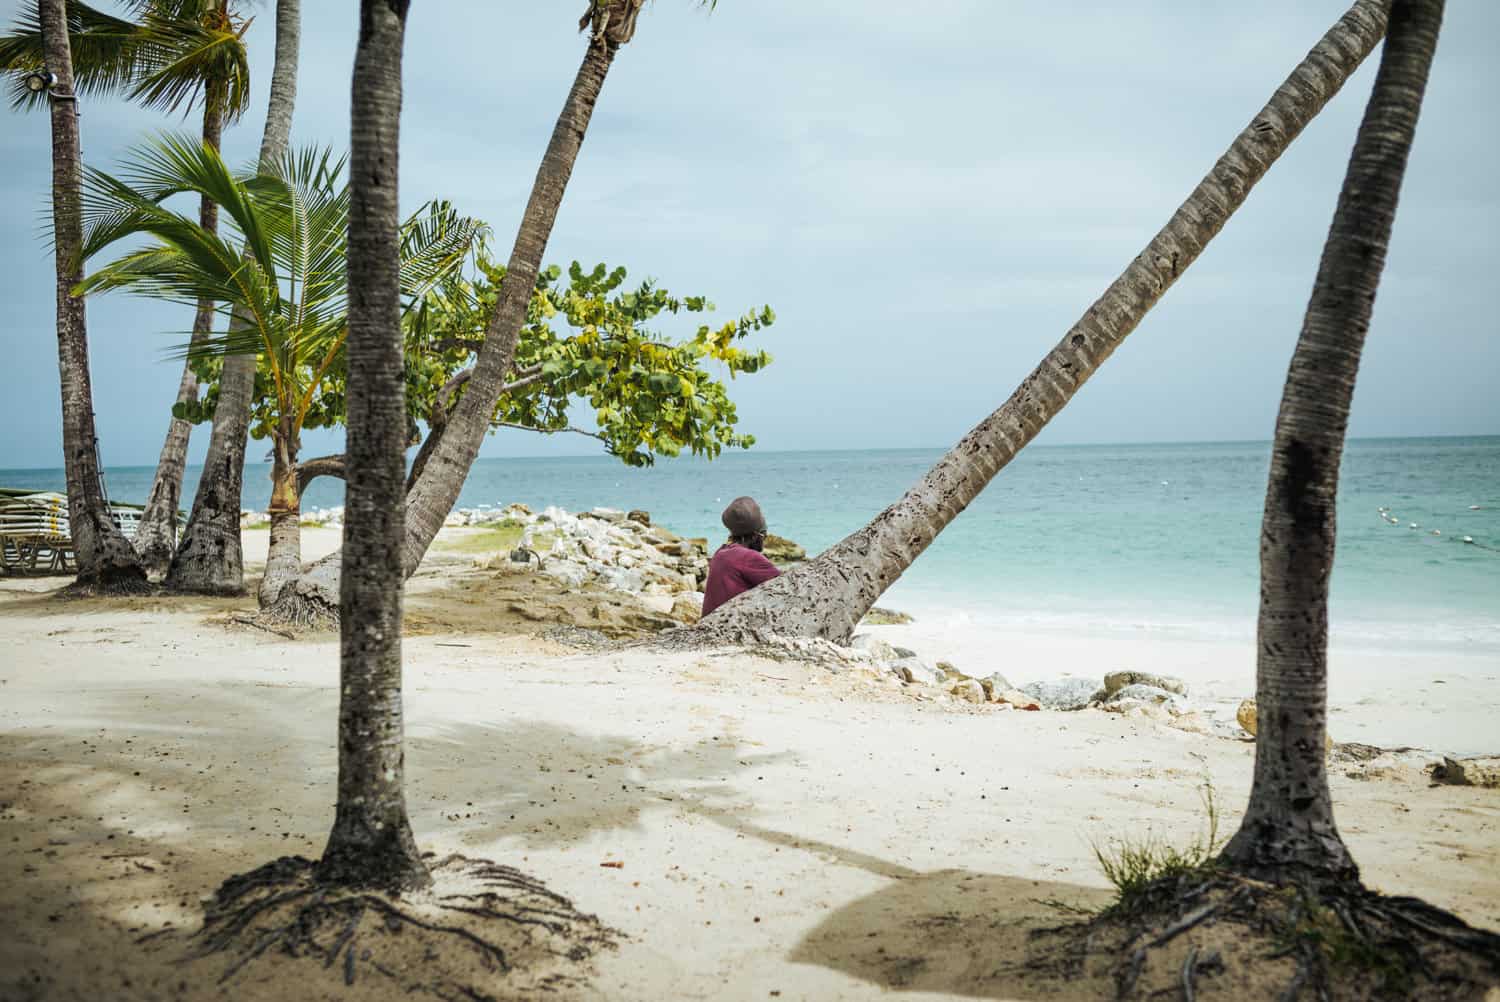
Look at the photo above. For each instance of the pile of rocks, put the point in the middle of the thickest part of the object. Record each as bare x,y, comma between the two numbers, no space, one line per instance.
621,551
1157,697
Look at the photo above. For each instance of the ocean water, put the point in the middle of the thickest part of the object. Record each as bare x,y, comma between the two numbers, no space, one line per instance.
1155,538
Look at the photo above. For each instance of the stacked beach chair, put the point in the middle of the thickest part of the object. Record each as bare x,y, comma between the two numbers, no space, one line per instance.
34,533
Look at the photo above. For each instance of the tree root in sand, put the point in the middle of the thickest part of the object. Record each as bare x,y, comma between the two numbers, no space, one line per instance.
481,931
109,586
297,611
1210,934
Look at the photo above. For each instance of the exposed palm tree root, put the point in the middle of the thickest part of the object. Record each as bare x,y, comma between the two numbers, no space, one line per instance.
1211,934
114,582
481,931
300,610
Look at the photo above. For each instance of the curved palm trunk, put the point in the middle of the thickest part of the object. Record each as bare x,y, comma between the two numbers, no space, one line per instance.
209,559
314,596
156,536
828,596
371,844
1288,829
106,560
284,556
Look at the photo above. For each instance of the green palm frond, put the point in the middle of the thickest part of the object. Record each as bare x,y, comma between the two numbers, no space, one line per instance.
177,51
181,59
292,285
435,240
106,52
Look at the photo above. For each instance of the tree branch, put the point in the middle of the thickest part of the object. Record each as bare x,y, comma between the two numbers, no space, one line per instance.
534,375
550,431
323,466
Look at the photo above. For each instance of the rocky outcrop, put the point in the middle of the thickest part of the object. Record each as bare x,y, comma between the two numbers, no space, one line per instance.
1483,772
1064,694
780,550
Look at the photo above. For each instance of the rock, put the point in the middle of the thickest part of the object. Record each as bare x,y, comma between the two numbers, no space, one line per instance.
455,518
1064,694
993,683
780,550
903,652
969,690
517,509
1016,698
1484,772
638,516
1136,697
949,671
524,555
875,647
659,603
885,617
1117,680
687,608
913,670
604,514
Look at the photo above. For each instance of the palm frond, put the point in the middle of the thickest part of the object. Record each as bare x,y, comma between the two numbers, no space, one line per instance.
434,242
106,52
169,58
181,59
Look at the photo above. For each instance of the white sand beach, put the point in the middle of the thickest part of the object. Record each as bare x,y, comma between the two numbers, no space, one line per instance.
781,831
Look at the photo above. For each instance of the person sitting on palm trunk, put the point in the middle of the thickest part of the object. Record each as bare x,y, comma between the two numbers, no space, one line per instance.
738,565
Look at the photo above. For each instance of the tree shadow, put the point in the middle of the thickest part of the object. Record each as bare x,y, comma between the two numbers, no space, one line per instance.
958,932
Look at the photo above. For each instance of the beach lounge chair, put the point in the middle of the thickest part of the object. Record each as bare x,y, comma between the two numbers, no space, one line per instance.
35,535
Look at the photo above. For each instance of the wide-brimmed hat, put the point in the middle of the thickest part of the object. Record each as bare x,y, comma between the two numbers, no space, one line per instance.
743,517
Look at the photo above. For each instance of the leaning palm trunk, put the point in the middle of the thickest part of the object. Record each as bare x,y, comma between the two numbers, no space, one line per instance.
156,536
828,596
371,844
209,559
106,560
313,597
1288,830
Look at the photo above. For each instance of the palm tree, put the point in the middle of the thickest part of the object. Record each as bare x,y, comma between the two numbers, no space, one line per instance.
291,285
208,558
371,843
315,595
180,52
1288,832
106,560
828,596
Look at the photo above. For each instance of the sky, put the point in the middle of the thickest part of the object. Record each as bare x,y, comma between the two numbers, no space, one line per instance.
928,195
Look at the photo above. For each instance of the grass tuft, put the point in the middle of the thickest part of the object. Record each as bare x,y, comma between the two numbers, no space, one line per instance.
1133,864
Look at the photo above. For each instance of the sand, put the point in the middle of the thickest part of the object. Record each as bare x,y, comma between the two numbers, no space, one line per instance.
782,831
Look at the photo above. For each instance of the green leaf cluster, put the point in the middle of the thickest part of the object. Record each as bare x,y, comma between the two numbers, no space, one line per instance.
276,266
591,344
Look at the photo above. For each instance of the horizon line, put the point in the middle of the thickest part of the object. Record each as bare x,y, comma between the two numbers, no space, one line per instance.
904,448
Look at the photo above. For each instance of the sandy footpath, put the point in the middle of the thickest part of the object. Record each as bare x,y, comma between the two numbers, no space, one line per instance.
783,831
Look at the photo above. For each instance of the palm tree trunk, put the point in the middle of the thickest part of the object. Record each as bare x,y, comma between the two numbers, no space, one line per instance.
284,557
828,596
209,559
314,596
371,843
156,536
1288,829
106,560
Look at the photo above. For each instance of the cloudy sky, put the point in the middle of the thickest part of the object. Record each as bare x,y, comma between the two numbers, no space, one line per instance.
929,196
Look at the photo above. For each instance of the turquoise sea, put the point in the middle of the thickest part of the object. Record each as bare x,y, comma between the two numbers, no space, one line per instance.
1114,537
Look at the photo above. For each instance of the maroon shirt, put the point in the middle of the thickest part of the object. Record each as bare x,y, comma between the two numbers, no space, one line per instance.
734,569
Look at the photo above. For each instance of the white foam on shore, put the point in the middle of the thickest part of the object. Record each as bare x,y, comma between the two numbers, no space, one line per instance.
1443,697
